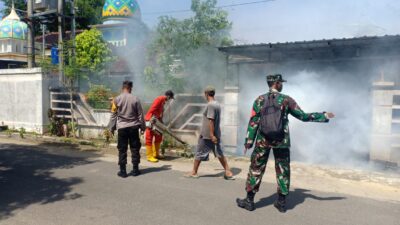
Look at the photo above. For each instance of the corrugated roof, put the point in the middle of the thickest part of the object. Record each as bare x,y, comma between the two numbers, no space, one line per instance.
322,42
331,49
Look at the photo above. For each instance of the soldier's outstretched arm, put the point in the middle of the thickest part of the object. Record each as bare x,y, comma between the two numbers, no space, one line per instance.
254,122
296,111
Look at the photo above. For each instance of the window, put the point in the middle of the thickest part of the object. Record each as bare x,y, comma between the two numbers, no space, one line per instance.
396,100
396,114
9,47
24,47
396,128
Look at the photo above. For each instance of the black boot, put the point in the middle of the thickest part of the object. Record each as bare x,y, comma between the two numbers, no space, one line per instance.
280,203
135,171
122,171
248,202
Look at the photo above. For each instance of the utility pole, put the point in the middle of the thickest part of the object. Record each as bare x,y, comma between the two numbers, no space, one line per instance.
72,60
73,27
43,41
60,15
73,35
31,36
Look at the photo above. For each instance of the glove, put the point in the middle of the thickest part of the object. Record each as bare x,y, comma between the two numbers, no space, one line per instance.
153,119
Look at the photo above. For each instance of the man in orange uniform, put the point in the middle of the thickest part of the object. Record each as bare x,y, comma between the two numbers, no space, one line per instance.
156,110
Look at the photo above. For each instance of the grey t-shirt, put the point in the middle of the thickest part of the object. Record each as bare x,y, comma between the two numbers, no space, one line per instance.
213,111
130,113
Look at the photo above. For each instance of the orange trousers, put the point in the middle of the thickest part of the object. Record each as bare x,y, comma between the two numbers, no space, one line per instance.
151,135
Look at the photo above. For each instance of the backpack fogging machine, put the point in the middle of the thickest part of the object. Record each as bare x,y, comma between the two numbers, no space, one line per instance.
157,126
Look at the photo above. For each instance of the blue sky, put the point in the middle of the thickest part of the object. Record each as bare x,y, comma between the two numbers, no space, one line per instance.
295,20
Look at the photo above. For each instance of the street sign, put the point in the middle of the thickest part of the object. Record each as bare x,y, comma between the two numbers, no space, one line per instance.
54,56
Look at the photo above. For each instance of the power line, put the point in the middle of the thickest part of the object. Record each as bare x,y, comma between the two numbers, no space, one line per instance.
244,3
220,7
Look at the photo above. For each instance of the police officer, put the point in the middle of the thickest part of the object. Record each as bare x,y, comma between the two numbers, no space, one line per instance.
127,117
268,130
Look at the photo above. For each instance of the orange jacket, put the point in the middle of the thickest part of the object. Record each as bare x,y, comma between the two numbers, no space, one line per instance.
157,108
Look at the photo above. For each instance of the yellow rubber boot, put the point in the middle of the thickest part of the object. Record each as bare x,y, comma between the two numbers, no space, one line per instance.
157,153
149,154
154,151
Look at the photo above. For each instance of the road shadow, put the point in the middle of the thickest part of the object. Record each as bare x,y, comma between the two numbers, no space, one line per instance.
27,176
234,170
147,170
295,198
170,158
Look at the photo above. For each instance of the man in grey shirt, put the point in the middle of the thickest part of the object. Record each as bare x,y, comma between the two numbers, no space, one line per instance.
210,138
127,117
213,112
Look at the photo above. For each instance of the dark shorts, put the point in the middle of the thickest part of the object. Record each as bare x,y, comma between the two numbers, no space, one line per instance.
204,147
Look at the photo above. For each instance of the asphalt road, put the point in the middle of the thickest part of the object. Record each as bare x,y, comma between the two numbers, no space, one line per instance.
43,186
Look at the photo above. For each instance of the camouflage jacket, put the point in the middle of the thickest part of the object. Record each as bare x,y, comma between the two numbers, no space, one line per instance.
288,106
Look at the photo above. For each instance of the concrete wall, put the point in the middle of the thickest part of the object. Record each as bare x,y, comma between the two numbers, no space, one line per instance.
229,121
91,132
385,141
102,117
24,98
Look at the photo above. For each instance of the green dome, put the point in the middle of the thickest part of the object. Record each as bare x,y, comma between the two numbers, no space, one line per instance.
121,9
12,27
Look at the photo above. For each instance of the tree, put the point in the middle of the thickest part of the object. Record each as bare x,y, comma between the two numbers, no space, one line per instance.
89,13
208,27
184,51
91,55
72,73
92,52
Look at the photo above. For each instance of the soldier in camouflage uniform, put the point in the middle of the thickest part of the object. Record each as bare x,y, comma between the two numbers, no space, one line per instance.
281,148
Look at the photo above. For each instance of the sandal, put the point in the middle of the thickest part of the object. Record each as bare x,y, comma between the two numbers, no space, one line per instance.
191,176
229,177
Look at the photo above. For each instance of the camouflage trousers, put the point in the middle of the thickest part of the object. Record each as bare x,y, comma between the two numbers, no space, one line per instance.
259,159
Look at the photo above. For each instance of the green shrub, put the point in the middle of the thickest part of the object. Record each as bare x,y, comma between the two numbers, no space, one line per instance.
9,132
72,128
98,97
107,136
22,132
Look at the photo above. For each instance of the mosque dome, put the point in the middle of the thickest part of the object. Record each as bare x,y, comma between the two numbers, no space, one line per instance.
121,9
12,27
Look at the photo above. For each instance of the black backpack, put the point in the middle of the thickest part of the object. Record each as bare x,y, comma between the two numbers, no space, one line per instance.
271,121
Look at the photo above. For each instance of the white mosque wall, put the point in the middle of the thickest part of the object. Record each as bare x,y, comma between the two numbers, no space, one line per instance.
25,98
13,46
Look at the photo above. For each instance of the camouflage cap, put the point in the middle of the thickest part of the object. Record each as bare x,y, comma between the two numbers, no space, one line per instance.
275,78
209,89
